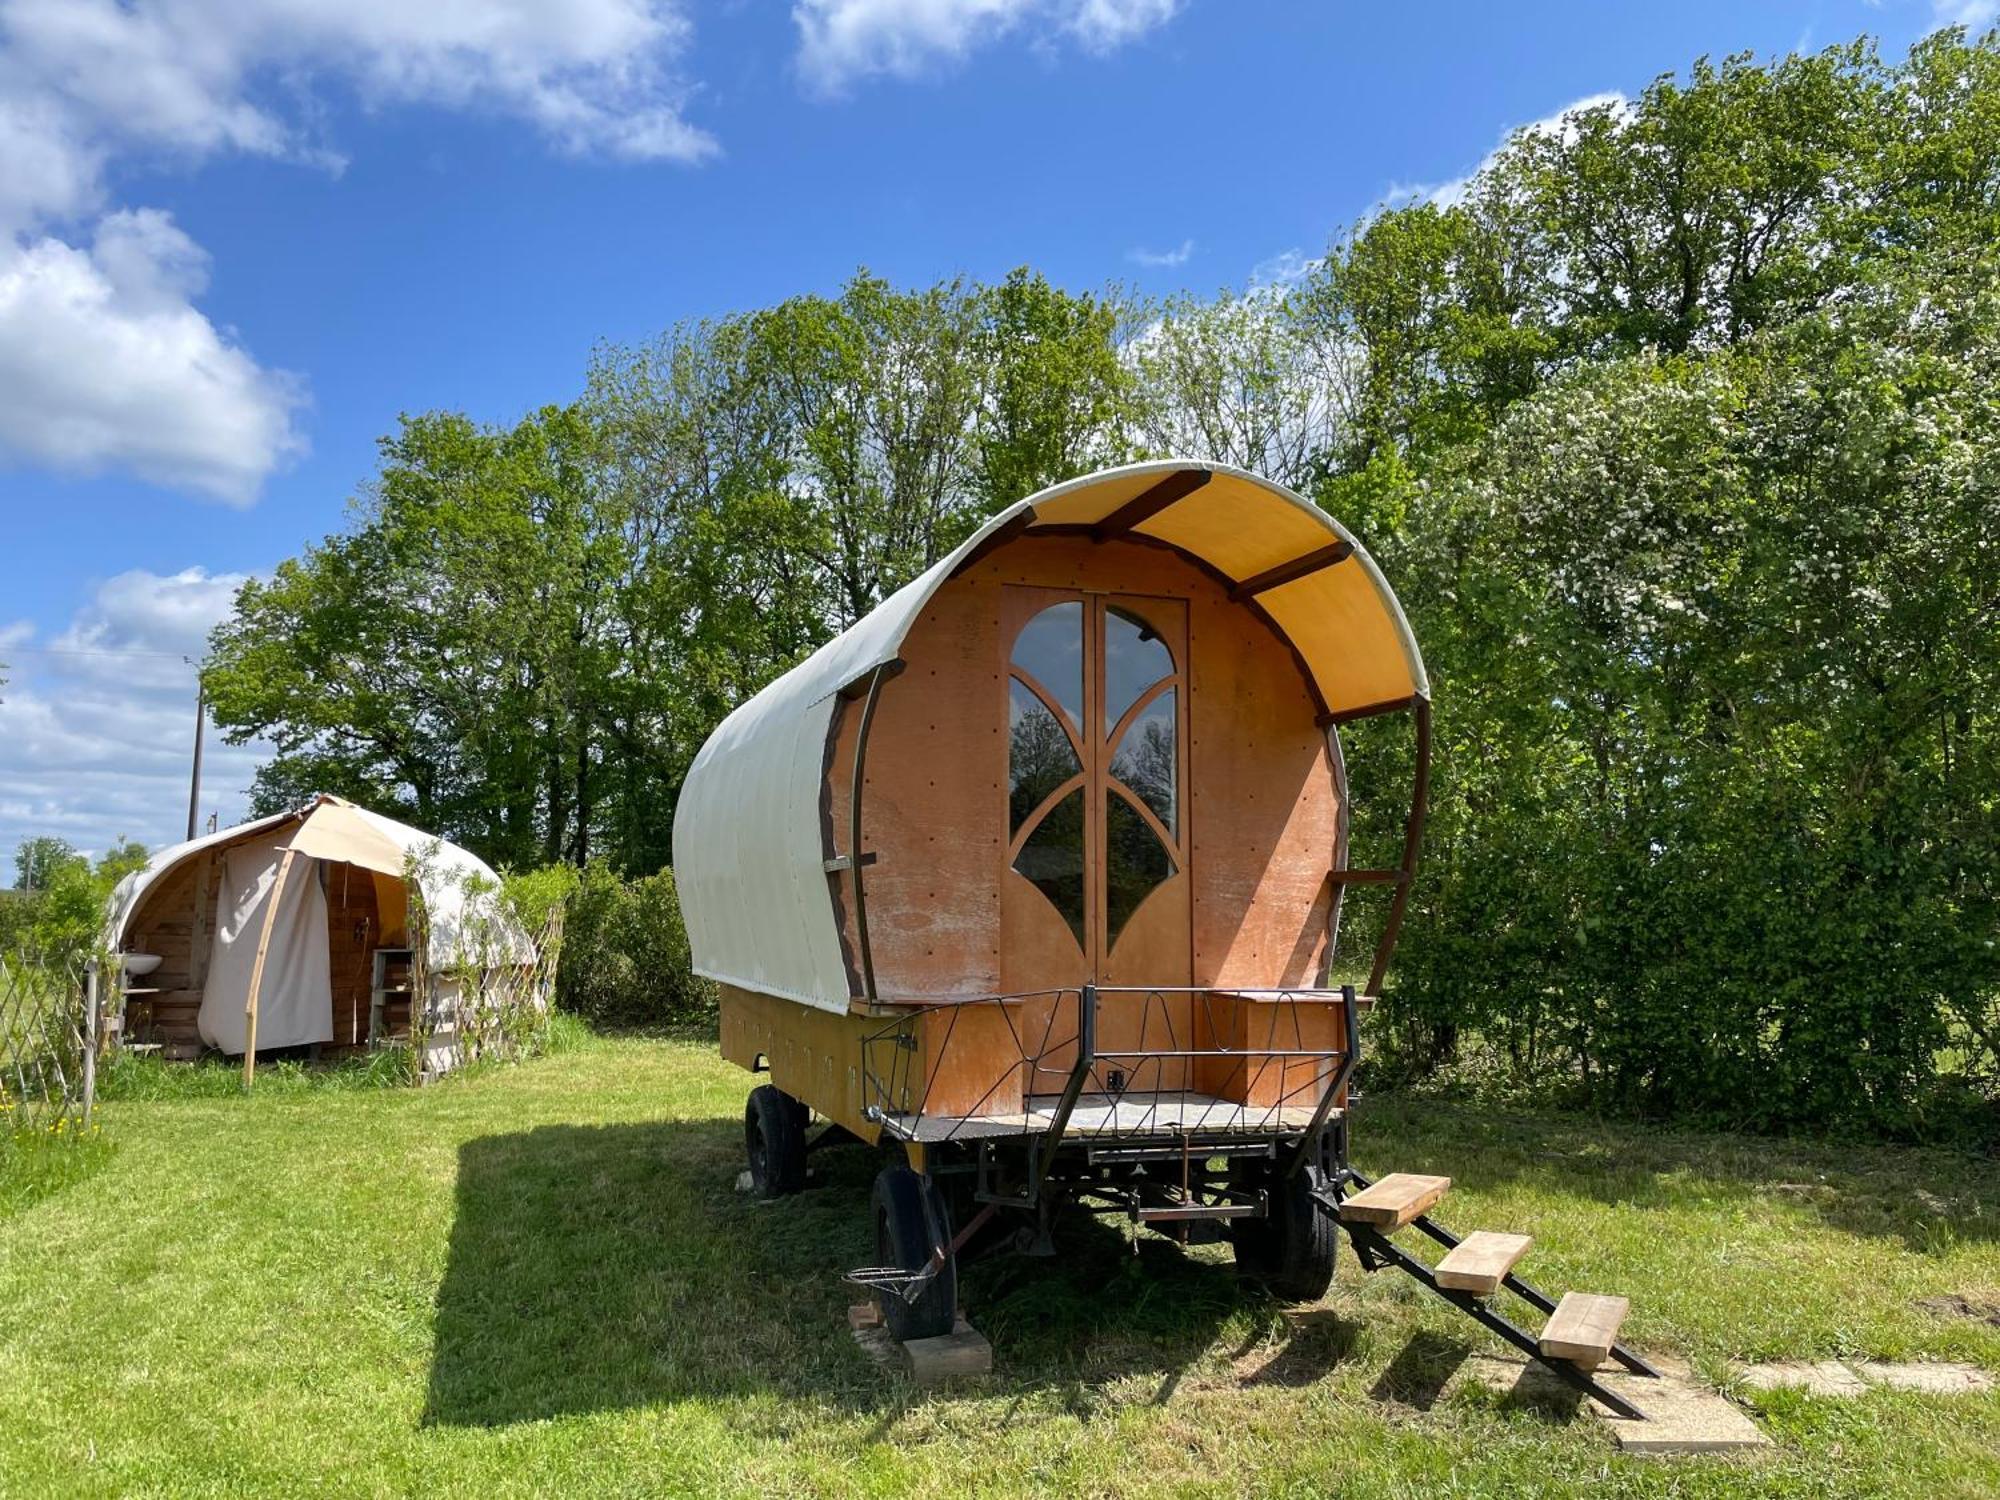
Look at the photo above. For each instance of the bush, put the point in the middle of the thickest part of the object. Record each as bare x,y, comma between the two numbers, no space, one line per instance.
625,959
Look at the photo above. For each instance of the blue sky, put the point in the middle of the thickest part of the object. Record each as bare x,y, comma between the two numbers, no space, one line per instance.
231,254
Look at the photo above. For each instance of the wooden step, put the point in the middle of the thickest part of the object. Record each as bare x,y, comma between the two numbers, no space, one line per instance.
1481,1261
1395,1200
1583,1328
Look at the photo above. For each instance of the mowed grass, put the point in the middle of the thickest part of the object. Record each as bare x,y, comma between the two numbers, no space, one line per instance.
541,1281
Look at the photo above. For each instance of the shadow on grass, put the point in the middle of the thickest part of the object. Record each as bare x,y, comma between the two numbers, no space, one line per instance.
602,1267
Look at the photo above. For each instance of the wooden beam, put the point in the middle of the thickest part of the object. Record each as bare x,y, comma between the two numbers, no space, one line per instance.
1291,572
257,969
1583,1328
1365,711
1394,1200
1002,534
1136,512
1481,1261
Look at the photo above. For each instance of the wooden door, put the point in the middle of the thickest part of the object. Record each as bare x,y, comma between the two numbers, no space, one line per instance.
1096,886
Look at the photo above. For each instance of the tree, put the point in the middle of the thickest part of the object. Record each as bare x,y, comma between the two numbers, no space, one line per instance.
445,658
37,860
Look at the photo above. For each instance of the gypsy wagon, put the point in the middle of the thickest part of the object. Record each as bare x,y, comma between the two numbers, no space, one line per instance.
1034,875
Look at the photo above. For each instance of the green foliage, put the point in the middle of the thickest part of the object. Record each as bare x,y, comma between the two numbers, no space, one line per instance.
533,896
1671,426
59,921
625,955
37,860
1714,830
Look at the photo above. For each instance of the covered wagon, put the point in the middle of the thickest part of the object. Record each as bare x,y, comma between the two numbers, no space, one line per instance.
1037,870
1034,877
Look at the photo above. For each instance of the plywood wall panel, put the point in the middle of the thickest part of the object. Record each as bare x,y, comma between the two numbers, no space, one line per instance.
1261,807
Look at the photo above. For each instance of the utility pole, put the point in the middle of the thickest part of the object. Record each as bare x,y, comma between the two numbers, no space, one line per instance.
194,781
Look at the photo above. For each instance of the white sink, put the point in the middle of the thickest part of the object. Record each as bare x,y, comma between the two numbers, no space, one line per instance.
138,964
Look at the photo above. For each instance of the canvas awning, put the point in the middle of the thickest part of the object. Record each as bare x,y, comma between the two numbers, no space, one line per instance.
747,849
337,831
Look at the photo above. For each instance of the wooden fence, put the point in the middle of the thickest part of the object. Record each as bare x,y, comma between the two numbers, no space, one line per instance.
48,1069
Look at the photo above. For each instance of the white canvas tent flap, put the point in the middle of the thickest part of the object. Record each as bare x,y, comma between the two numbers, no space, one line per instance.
295,1004
339,832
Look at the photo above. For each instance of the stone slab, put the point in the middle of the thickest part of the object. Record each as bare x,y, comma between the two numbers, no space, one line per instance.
1820,1377
1832,1377
1931,1379
1682,1415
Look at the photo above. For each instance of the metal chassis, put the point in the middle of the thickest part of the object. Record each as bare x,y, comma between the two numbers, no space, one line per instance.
1046,1148
1045,1187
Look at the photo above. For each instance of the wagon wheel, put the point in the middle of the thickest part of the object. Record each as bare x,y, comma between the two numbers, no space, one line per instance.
1292,1250
774,1135
911,1226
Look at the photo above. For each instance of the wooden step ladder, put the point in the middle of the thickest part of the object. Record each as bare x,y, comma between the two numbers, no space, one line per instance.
1481,1261
1582,1330
1395,1200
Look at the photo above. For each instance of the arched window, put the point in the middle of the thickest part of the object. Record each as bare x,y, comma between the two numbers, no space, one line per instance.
1094,697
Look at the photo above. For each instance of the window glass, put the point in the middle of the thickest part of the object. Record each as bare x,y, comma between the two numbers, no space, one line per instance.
1144,759
1052,858
1134,659
1134,862
1040,757
1050,650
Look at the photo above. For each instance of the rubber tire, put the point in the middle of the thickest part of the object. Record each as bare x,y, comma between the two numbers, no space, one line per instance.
904,1239
1291,1251
774,1138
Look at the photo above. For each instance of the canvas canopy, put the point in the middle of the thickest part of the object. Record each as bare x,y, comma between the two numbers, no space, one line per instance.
271,895
748,857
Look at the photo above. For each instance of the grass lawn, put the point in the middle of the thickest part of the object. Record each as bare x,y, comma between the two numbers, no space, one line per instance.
541,1281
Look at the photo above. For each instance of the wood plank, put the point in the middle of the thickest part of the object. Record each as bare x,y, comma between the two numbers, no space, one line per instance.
1136,512
1481,1261
1291,572
1584,1327
951,1356
1395,1200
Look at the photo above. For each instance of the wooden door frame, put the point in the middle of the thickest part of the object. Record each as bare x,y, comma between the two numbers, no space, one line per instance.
1094,748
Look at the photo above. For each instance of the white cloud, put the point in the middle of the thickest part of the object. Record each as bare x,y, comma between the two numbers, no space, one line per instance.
108,363
1278,273
1974,15
1445,194
106,359
1180,255
842,40
200,76
97,724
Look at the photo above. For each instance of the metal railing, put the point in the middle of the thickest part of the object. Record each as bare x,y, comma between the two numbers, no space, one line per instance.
1114,1062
